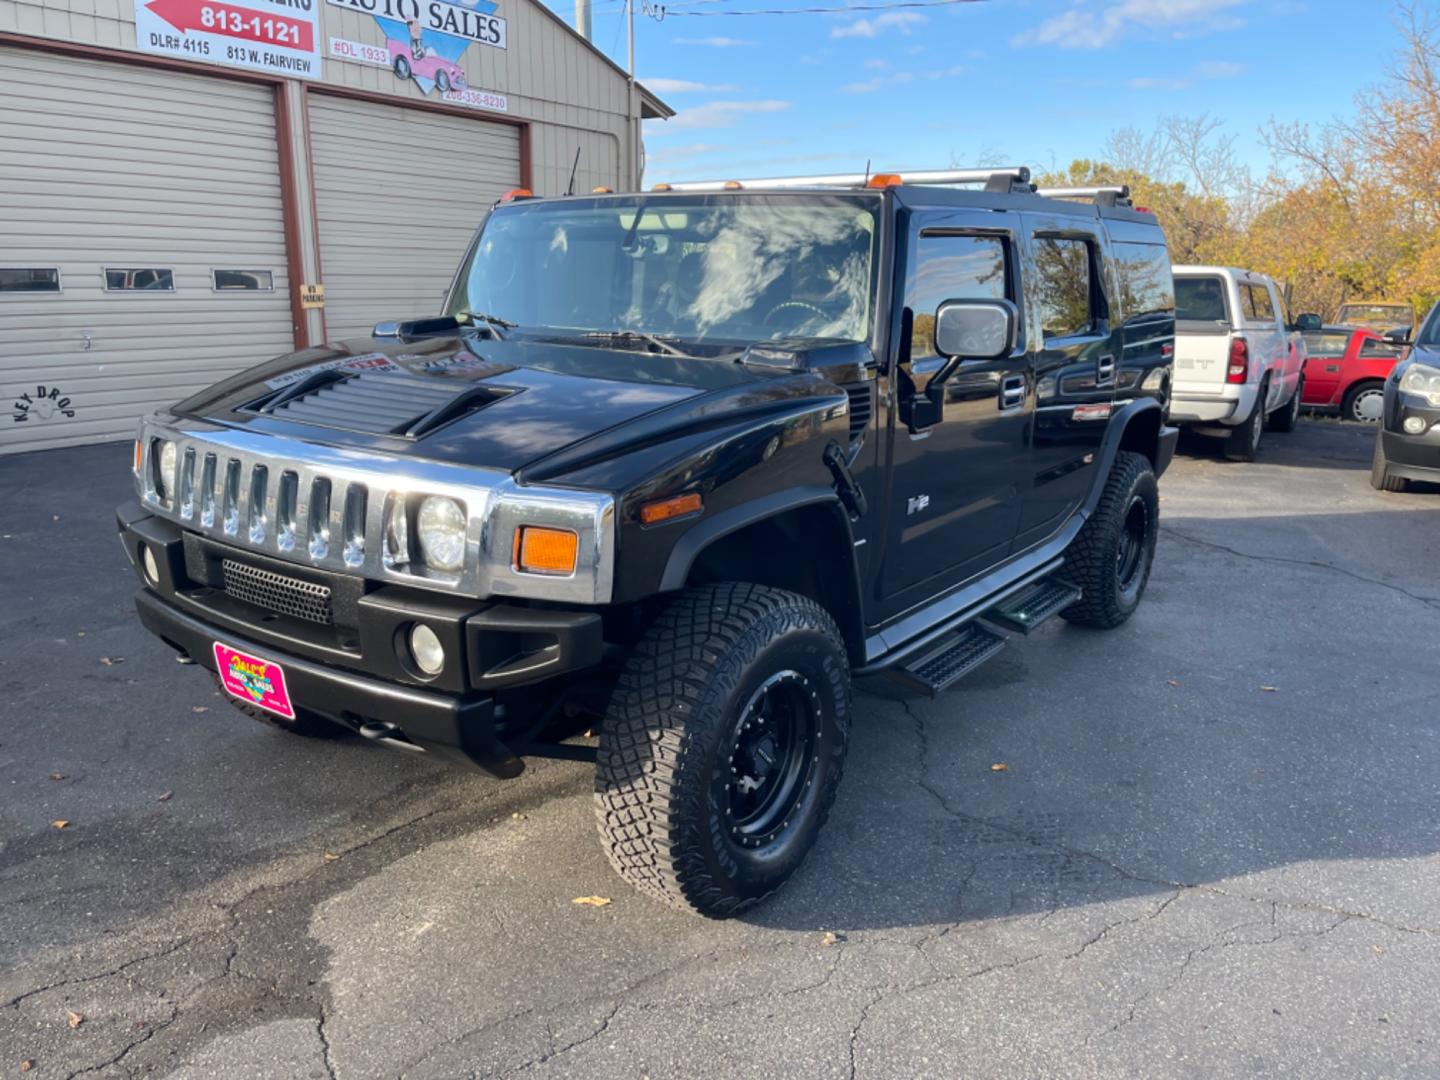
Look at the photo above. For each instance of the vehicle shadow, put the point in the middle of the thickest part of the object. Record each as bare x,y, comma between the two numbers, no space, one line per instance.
1262,724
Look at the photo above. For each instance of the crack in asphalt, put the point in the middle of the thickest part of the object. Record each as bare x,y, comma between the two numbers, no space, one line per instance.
1432,601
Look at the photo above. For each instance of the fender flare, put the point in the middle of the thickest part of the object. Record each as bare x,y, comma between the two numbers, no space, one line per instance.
710,529
1120,421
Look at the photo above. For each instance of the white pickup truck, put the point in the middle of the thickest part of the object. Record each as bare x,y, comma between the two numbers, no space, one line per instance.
1238,363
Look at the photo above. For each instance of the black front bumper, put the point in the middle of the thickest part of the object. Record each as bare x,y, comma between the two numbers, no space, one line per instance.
350,672
1413,457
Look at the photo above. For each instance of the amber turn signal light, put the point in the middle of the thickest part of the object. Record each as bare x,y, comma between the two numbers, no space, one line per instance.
545,551
884,180
662,187
139,456
518,193
652,513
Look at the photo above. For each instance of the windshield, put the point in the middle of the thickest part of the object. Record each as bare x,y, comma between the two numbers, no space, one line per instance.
722,269
1365,314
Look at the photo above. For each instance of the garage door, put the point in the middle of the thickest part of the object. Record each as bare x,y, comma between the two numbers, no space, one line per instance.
142,250
398,193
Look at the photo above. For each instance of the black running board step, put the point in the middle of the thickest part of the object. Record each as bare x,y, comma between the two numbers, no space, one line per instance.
954,657
1030,607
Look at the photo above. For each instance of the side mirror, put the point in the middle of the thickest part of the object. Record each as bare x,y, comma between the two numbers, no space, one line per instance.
386,330
975,329
1307,322
1399,336
964,330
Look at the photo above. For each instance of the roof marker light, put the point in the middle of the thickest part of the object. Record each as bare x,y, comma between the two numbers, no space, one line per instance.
885,180
734,185
662,187
517,193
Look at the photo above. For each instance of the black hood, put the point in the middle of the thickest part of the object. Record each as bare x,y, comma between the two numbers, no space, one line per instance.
477,401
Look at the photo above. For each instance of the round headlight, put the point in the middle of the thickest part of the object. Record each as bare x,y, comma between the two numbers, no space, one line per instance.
167,469
441,528
1414,425
425,648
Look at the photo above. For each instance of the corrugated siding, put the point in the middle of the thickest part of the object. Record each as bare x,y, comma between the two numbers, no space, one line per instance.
116,165
398,193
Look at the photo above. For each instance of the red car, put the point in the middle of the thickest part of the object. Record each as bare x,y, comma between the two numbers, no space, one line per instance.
1346,371
447,74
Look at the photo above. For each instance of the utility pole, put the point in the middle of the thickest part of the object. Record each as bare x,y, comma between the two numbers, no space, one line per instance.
631,119
583,21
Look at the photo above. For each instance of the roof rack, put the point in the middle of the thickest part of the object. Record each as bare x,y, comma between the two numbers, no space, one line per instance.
1101,195
999,179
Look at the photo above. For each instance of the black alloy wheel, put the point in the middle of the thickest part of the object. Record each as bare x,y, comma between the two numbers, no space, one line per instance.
772,757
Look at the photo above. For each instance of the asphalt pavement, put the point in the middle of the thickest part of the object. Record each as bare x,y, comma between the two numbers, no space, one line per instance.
1213,848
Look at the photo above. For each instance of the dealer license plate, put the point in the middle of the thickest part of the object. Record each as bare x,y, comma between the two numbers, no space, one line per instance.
253,680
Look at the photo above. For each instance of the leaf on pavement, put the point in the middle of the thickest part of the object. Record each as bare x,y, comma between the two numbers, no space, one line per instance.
60,823
165,796
832,938
57,776
74,1019
999,766
517,816
330,856
592,901
1173,682
199,708
28,1063
111,661
1268,689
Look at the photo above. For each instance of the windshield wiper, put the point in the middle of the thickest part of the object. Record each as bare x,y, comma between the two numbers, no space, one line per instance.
620,336
494,322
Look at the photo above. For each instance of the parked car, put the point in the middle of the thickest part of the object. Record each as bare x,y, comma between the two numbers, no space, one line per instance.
1238,362
1379,315
678,465
1345,371
447,74
1407,446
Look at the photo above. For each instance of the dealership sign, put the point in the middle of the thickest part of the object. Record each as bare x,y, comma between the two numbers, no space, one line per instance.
424,40
281,37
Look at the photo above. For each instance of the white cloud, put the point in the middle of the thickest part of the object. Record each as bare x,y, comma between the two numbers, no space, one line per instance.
682,86
878,65
1219,69
714,42
1146,83
1087,28
714,114
898,78
869,28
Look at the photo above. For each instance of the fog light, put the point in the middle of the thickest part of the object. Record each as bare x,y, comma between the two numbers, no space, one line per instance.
1415,425
152,569
425,648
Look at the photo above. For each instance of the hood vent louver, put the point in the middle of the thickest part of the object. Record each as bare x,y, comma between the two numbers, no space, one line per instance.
861,408
377,403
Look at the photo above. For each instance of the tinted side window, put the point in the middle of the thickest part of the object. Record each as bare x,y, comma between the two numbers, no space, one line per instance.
1375,349
1063,286
1200,299
1326,344
1144,285
950,267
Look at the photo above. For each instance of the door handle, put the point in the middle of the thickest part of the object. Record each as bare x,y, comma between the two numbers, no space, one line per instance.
1012,392
1105,369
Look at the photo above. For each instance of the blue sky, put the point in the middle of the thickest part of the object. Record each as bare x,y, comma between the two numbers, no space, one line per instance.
1010,81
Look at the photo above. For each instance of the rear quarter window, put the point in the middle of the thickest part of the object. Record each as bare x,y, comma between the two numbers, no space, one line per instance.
1144,287
1326,344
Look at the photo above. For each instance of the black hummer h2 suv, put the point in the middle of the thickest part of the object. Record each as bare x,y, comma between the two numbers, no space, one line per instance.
676,466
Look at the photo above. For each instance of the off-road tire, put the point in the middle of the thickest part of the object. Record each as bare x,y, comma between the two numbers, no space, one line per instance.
1096,559
663,795
1380,477
1243,444
306,723
1285,419
1360,389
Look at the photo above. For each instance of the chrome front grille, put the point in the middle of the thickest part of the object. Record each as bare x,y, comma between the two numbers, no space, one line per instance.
279,593
324,508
